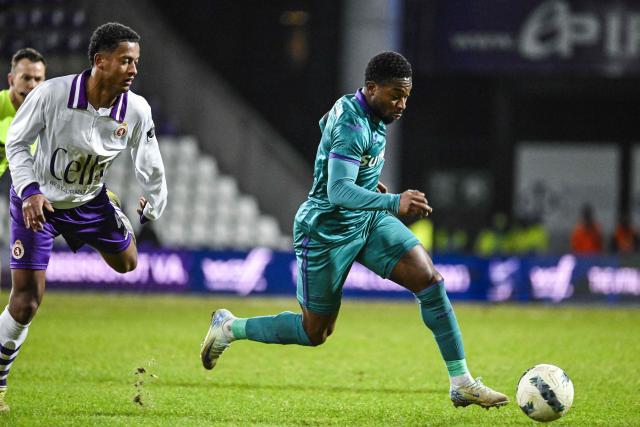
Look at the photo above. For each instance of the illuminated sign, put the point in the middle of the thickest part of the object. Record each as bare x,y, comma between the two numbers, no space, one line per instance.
614,281
264,271
546,35
553,282
503,276
456,279
240,275
159,269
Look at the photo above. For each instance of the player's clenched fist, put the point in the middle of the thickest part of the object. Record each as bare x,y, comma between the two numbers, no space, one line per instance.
414,202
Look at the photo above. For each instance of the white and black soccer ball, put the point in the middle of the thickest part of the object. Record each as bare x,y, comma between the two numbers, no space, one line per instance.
544,393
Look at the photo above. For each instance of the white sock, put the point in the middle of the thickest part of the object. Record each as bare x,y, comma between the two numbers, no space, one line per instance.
460,380
12,335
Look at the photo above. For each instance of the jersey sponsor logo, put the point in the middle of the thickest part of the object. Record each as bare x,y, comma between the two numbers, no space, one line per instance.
17,250
121,131
65,190
82,170
369,161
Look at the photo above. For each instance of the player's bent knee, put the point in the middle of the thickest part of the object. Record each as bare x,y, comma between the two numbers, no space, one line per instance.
132,264
433,276
123,263
318,338
126,266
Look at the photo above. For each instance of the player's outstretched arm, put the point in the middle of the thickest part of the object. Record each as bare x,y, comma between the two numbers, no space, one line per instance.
149,171
344,192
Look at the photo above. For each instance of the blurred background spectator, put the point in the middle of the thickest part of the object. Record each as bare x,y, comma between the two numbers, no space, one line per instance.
625,237
423,230
450,238
587,235
493,240
536,237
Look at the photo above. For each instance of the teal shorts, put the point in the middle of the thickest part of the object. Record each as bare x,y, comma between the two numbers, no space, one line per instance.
323,268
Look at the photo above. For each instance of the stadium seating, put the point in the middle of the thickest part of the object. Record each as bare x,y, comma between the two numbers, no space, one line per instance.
52,27
206,209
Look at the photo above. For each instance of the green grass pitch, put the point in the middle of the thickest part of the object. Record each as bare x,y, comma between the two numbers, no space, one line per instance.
381,367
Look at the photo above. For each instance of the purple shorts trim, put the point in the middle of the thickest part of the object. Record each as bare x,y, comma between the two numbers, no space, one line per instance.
95,223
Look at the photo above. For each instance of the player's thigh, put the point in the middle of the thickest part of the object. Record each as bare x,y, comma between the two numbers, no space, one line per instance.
101,225
388,240
322,270
415,270
30,250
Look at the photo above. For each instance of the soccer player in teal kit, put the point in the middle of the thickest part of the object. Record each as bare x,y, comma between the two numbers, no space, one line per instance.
349,216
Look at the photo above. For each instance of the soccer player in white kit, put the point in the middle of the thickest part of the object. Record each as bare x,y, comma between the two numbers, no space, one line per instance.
83,122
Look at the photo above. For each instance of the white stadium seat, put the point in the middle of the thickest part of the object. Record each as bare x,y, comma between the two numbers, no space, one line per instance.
205,208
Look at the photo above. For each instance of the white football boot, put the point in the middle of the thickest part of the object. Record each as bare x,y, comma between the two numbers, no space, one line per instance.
216,340
477,393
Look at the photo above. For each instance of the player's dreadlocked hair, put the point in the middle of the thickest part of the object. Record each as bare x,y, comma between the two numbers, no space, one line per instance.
387,66
29,53
107,37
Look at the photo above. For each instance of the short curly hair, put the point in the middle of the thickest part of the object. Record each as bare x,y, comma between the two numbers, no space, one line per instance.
107,37
387,66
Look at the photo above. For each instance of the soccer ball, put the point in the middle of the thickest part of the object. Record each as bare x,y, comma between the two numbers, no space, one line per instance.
544,393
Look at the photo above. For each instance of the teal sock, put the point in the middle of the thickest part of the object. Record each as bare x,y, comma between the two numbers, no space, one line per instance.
457,367
284,328
238,329
437,314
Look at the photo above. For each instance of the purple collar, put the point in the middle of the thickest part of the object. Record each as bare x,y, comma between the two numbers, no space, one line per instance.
78,97
360,98
363,102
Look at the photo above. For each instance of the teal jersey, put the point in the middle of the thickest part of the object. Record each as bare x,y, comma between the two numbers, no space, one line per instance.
351,133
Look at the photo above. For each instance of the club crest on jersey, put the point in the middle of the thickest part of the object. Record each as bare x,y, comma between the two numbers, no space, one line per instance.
121,130
17,250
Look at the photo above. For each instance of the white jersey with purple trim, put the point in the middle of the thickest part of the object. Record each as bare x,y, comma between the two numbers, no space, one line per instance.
78,143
